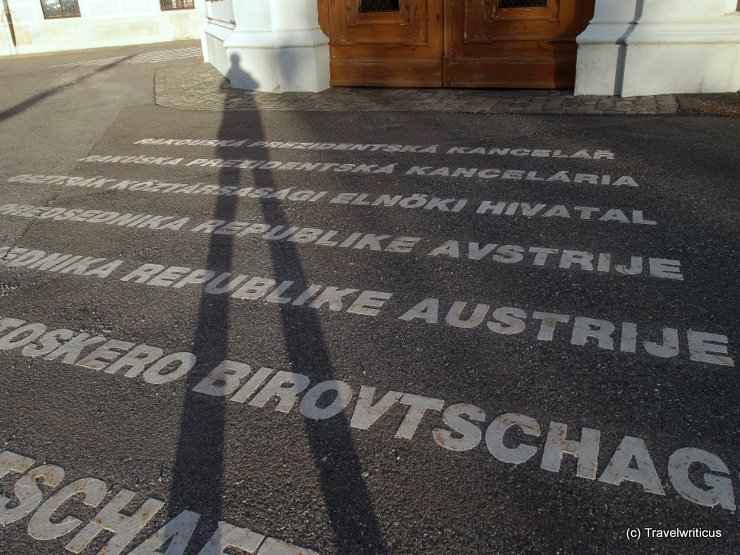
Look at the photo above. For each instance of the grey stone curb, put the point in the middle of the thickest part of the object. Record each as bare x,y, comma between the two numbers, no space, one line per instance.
198,86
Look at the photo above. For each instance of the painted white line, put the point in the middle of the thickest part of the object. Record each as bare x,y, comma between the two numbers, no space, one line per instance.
537,325
583,154
503,252
550,177
460,427
51,517
485,208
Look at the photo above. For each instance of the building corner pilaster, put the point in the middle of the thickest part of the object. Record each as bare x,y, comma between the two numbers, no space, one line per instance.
269,45
651,47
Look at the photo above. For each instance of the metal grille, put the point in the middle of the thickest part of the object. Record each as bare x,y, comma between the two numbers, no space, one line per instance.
177,4
60,8
522,4
379,6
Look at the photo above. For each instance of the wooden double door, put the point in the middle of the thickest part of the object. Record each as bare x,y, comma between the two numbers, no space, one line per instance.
454,43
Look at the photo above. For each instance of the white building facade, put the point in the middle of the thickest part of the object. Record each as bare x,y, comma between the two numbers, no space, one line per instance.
267,45
629,47
34,26
643,47
597,47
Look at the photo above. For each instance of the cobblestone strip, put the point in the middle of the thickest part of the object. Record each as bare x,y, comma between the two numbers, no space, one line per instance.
198,86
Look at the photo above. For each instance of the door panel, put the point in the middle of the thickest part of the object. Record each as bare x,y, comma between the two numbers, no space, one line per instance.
513,43
454,43
384,43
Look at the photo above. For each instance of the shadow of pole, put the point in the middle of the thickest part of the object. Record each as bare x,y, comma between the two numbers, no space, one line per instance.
622,48
350,510
198,472
347,500
197,476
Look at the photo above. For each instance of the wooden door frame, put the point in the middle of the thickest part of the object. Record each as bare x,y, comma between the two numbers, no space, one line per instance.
414,59
547,59
513,47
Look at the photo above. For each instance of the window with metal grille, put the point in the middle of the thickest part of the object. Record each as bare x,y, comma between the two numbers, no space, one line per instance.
522,4
177,4
367,6
54,9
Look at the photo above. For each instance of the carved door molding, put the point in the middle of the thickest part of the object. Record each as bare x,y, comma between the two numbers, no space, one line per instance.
455,43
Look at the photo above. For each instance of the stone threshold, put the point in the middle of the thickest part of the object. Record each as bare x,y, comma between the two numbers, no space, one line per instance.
194,85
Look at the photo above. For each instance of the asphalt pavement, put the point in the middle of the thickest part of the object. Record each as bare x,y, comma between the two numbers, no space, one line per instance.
339,331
